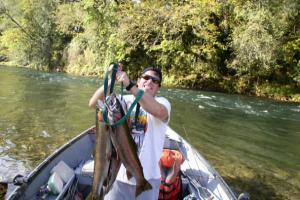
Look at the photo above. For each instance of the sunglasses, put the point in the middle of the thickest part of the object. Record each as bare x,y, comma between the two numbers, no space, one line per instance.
154,79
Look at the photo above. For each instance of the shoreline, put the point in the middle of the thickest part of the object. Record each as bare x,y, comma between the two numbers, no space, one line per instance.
292,98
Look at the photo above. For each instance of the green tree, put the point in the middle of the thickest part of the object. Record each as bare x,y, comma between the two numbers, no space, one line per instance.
33,30
91,26
181,37
253,41
264,38
242,46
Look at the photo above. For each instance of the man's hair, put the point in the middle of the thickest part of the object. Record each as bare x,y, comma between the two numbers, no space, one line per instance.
156,70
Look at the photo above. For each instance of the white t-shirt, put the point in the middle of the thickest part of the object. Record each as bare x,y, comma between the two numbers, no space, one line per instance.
148,133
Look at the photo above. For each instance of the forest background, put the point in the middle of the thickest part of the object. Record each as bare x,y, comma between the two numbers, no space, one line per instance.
249,47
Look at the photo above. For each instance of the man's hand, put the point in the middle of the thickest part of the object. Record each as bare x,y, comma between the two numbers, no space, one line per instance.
110,68
122,77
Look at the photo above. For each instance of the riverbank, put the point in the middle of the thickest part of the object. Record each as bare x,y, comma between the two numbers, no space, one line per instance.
276,92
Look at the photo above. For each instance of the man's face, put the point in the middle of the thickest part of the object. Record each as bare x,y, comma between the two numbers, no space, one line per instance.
149,82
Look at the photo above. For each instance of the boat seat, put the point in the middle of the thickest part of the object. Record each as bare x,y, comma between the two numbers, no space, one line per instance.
171,144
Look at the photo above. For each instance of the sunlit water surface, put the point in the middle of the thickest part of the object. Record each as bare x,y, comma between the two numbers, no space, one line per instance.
253,143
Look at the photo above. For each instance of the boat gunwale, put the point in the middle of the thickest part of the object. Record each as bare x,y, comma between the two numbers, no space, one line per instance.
57,152
179,139
17,192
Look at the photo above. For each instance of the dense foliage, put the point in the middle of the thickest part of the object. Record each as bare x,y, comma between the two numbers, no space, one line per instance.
237,46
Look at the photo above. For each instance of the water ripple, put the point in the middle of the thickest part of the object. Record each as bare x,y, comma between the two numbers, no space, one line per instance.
295,109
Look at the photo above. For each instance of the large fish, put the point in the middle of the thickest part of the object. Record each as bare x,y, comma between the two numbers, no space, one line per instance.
102,157
114,167
125,145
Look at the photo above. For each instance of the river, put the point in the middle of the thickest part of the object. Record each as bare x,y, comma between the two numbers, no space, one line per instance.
252,142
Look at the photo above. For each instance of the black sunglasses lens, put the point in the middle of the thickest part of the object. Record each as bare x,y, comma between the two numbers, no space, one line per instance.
154,80
146,77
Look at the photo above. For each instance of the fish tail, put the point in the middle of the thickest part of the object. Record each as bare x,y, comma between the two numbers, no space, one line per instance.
92,197
140,188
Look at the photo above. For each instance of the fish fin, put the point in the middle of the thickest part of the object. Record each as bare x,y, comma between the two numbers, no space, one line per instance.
129,175
97,197
142,187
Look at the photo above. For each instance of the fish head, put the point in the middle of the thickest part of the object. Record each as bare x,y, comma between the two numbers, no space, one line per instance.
114,108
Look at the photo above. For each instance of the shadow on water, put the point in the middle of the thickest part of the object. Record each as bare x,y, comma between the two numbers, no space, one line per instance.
257,187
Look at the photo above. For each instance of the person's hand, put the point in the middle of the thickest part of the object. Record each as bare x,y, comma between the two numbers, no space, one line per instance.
110,68
122,77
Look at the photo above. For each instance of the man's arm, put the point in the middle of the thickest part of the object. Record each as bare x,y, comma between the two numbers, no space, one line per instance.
150,105
147,101
99,94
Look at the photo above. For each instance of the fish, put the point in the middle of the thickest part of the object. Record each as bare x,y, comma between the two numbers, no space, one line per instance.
114,166
102,157
125,145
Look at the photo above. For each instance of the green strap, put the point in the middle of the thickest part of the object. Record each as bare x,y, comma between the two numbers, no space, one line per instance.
138,96
105,85
113,79
122,86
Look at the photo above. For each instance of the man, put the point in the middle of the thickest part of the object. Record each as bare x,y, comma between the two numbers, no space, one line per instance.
148,124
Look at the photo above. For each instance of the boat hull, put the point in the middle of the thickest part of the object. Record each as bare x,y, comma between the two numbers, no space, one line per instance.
197,175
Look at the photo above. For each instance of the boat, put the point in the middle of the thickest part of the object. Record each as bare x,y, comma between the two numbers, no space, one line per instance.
199,179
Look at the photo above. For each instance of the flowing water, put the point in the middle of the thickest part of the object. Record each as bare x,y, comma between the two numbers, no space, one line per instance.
253,143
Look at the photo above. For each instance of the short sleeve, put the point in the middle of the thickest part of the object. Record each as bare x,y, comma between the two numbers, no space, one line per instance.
167,105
